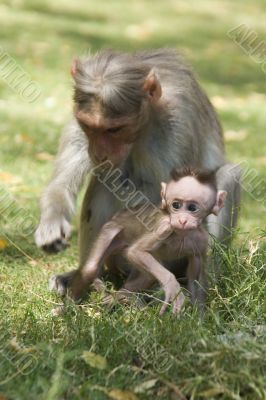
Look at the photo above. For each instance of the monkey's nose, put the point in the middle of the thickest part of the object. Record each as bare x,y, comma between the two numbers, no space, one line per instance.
183,222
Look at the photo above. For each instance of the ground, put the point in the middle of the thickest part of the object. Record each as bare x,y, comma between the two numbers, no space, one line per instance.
90,352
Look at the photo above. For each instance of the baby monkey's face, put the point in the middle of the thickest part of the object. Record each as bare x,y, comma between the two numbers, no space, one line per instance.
189,202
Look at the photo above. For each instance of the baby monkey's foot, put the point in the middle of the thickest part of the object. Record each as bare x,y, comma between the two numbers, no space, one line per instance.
123,297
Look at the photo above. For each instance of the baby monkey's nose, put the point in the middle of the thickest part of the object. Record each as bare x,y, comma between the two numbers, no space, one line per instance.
183,221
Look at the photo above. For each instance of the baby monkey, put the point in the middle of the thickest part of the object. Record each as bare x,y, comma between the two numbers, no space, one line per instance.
178,231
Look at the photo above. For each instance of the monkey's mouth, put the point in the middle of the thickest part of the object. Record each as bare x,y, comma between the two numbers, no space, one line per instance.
184,228
109,149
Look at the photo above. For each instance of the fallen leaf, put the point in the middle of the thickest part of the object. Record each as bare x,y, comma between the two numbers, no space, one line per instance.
3,244
139,32
91,312
44,156
23,137
3,397
262,160
219,102
9,178
146,385
235,136
14,345
94,360
33,263
212,392
118,394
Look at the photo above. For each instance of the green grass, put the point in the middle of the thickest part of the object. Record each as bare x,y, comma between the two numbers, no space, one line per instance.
220,357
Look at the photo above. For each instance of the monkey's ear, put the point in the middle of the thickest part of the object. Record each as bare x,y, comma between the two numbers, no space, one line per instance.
163,190
220,200
152,86
74,67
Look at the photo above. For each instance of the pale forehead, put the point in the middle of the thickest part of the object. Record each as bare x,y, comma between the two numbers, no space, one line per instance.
189,188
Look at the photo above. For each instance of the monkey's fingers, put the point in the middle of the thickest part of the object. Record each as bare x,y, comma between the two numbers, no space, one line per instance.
52,234
178,303
56,246
165,305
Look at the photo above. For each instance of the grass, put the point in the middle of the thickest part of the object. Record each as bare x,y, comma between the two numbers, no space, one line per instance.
42,356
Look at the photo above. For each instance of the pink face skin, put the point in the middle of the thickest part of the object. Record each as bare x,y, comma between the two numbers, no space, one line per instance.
189,202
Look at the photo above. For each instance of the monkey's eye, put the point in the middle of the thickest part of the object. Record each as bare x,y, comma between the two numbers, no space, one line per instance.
176,205
192,207
114,129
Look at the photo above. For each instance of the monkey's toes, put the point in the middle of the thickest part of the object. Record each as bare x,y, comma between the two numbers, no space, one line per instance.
56,246
124,298
58,311
58,284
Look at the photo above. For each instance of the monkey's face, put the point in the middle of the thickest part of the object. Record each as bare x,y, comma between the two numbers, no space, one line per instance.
113,96
188,202
109,137
185,215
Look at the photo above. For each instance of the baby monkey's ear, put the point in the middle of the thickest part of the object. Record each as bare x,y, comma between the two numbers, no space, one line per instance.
76,64
163,192
220,200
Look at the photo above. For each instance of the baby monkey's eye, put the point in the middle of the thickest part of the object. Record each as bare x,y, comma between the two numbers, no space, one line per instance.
192,207
176,205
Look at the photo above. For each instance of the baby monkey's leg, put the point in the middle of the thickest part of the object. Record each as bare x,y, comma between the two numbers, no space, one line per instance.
137,282
197,284
145,261
103,246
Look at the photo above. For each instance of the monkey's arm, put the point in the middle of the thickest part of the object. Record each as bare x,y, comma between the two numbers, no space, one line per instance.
139,255
58,200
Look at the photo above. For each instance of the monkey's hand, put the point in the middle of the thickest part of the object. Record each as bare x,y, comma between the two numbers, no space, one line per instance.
53,233
173,295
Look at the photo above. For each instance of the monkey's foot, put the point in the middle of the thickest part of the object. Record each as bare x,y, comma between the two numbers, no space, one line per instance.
58,311
61,283
98,285
123,297
52,235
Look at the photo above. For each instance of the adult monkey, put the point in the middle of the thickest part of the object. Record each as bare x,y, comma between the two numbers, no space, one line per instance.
147,114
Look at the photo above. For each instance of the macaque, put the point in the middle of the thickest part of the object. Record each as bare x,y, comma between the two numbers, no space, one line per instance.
145,113
178,231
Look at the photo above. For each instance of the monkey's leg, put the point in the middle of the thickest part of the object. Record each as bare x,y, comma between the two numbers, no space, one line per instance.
145,261
105,244
96,210
221,227
197,285
137,281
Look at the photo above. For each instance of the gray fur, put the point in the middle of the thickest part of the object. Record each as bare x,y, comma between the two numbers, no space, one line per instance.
183,131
